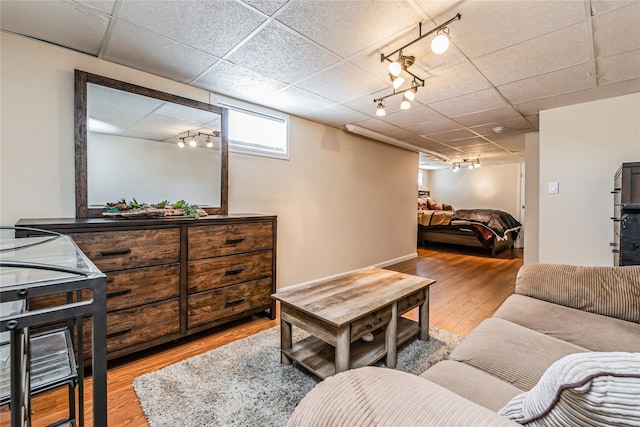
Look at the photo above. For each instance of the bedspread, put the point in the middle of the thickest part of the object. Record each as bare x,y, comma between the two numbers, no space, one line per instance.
499,222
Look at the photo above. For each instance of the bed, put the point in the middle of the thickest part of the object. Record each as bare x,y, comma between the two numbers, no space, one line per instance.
490,229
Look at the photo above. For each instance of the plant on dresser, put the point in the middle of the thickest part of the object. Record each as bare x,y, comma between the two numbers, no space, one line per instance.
169,278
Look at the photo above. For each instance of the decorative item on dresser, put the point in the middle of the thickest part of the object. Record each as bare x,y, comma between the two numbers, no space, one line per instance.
170,278
626,215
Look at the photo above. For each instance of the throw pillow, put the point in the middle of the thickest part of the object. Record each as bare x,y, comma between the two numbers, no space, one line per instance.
431,204
594,388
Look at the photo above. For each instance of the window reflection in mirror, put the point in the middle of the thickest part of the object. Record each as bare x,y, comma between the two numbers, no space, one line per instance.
133,150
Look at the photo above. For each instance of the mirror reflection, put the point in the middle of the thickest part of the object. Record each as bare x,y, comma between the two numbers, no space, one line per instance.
151,150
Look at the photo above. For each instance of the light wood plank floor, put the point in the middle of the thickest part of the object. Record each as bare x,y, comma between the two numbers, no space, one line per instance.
469,288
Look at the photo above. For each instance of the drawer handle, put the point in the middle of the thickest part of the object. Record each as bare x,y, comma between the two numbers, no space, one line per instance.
615,219
233,302
616,190
115,252
234,272
613,244
120,332
118,293
371,325
615,251
234,241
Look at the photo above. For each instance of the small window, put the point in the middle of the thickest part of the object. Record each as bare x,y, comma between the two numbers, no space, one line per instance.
420,177
257,130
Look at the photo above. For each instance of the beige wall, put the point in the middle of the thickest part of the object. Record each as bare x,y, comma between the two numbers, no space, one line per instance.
531,222
343,201
581,147
489,187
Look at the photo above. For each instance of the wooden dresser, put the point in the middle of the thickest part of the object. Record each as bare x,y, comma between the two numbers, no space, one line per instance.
626,215
169,278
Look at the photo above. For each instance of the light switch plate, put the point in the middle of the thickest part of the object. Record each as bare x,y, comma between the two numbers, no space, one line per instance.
553,188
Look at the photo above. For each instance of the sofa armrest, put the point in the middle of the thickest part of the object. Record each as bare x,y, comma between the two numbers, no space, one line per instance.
373,396
609,291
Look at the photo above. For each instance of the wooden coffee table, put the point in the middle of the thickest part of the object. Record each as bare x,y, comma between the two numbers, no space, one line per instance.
338,312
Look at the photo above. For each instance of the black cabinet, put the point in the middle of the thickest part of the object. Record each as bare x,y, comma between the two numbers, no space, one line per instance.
626,215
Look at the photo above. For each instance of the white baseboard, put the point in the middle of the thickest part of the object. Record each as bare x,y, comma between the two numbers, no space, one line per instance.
396,260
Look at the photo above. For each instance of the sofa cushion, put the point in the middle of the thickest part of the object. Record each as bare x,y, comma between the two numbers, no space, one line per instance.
592,331
373,396
610,291
471,383
511,352
595,389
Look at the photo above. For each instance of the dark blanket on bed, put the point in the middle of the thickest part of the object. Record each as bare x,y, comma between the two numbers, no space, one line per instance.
499,221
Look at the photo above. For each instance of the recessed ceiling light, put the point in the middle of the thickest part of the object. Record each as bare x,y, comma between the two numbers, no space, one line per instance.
499,129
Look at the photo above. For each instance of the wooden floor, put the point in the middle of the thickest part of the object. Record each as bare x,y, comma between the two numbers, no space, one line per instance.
469,287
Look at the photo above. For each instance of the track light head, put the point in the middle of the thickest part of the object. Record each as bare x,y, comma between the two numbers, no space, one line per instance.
181,143
208,142
405,104
380,111
397,81
440,43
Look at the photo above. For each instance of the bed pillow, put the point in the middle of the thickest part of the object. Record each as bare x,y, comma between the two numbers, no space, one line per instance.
422,203
431,204
593,388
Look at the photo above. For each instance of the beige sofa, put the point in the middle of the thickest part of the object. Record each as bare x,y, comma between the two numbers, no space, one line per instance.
563,350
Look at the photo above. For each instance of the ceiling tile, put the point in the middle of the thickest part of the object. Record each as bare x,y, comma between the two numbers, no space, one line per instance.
437,125
453,135
450,82
475,102
612,69
567,80
377,125
427,143
342,82
266,6
518,125
155,54
297,101
63,23
414,116
280,54
488,26
497,115
511,142
400,133
336,116
346,27
230,80
616,32
551,52
599,92
604,6
211,26
105,6
467,142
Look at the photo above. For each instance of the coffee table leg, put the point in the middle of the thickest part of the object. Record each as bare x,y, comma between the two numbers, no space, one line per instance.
343,349
391,336
285,341
424,318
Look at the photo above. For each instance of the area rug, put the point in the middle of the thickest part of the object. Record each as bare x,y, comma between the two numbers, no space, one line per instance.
244,384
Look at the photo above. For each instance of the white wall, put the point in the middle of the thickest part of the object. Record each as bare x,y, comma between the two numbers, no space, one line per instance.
489,187
343,201
531,223
581,147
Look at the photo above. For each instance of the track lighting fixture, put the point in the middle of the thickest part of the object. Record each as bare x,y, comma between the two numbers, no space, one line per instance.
396,67
471,164
193,142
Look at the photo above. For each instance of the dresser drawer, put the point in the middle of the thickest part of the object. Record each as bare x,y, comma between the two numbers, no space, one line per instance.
119,250
137,325
212,273
220,240
412,301
225,302
370,323
141,286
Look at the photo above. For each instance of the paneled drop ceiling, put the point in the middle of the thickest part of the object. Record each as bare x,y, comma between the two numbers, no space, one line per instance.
321,59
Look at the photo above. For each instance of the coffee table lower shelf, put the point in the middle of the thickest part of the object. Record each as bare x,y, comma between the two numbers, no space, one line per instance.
319,357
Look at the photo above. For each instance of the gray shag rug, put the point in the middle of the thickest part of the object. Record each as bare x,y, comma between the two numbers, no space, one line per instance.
244,384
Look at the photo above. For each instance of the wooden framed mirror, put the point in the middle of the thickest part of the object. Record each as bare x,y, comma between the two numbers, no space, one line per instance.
126,146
